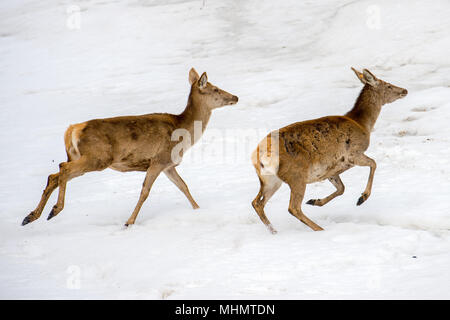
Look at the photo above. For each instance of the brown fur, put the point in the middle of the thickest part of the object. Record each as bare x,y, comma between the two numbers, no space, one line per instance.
320,149
133,143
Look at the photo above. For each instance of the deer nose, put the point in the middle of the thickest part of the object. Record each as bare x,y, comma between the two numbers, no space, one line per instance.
405,92
234,99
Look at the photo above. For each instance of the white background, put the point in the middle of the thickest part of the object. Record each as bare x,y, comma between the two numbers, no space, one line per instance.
287,61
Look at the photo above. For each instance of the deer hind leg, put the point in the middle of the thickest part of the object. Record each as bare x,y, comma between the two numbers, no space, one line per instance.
297,194
365,161
70,170
340,188
52,184
173,176
150,177
269,185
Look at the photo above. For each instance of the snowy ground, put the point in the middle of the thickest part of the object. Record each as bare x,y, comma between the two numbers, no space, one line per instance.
287,61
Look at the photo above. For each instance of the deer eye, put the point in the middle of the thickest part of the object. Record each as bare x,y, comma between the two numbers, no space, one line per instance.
389,87
216,90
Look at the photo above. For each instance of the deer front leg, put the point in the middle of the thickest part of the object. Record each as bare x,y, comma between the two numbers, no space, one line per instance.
150,177
173,176
52,184
340,188
365,161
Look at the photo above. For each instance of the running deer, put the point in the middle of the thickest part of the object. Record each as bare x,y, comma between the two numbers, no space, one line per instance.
134,143
319,149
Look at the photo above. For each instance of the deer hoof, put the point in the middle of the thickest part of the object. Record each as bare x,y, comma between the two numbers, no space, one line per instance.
28,219
361,200
311,202
272,229
52,214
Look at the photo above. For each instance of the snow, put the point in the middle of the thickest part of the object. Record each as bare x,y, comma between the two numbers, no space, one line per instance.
287,61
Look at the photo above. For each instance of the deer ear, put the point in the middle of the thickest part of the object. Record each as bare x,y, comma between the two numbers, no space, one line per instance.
203,80
193,76
359,75
370,78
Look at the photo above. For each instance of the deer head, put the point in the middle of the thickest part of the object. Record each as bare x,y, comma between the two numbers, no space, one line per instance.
387,92
209,95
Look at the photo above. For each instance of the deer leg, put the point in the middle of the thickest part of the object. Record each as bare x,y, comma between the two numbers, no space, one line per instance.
269,185
52,184
68,171
173,176
150,177
340,188
297,194
365,161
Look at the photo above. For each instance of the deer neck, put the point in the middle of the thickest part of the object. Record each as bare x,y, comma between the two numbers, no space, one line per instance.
367,108
195,117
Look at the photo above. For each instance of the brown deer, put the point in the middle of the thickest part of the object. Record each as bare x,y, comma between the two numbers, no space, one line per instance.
135,143
319,149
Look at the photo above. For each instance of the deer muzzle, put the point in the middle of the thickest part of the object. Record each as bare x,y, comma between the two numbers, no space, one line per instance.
233,100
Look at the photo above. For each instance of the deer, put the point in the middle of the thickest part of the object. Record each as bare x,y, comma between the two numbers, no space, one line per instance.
135,143
315,150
